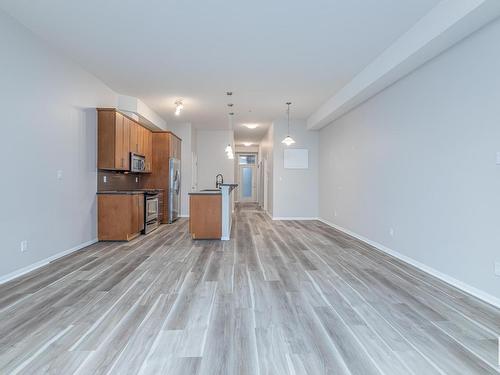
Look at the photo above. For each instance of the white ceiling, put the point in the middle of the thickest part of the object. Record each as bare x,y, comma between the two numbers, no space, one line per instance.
266,52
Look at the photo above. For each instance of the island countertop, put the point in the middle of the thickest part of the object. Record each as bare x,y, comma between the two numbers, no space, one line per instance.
213,191
205,192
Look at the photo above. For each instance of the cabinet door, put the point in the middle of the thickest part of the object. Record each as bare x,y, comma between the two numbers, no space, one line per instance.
134,143
140,140
175,147
179,145
148,148
136,213
140,212
119,138
126,144
106,133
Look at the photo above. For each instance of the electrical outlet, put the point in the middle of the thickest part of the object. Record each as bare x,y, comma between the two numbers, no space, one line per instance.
497,268
24,245
105,179
335,213
391,232
498,157
59,174
137,179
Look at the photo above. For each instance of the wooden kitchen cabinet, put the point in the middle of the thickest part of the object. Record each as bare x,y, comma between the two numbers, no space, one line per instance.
113,137
141,142
120,216
118,136
175,147
134,137
205,216
148,149
164,145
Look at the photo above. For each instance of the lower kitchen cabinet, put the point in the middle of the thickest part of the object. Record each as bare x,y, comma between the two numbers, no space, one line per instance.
205,216
120,216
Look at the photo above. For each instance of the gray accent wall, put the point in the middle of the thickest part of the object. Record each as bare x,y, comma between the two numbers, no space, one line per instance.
420,158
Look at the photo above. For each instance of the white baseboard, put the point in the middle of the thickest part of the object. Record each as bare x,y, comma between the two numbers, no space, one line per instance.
293,218
34,266
440,275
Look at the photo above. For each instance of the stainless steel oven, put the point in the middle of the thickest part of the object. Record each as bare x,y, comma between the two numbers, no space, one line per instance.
137,163
151,219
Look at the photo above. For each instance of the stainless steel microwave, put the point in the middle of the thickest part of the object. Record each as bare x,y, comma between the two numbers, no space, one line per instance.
137,163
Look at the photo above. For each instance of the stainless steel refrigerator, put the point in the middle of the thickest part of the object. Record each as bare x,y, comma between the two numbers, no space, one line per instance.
174,189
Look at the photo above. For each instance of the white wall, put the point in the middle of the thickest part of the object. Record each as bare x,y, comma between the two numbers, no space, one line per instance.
295,191
138,110
420,158
184,131
212,159
48,124
243,149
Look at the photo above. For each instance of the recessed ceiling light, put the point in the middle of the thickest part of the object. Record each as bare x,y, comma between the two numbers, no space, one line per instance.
178,107
251,126
247,144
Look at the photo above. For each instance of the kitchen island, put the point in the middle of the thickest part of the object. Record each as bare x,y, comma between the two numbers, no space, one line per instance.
210,213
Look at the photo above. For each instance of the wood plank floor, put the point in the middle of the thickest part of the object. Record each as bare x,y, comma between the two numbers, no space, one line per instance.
279,298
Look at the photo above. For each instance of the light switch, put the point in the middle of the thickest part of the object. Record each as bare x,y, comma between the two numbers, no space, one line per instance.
59,174
498,157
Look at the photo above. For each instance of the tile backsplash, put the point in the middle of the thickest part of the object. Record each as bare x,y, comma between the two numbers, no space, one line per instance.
118,181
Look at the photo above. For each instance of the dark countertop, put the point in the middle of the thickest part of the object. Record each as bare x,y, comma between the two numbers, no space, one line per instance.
120,192
130,192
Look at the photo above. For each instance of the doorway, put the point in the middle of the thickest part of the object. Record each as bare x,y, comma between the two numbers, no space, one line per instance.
247,177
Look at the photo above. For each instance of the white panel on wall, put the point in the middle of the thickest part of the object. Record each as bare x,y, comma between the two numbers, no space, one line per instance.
296,158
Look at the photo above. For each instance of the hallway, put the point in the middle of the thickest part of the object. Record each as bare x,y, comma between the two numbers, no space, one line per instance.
281,297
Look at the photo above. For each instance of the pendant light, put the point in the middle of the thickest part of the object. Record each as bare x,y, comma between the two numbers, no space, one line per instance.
229,149
288,140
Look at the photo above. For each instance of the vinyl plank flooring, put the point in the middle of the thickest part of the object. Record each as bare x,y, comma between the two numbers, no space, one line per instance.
279,298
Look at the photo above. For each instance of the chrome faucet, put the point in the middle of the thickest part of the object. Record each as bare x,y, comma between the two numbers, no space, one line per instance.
219,180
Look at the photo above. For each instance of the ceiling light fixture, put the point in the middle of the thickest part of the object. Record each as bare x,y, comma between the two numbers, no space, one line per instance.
288,140
178,107
229,149
247,144
251,126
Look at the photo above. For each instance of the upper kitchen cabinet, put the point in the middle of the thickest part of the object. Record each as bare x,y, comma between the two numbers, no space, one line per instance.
113,137
134,136
118,136
175,147
148,148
